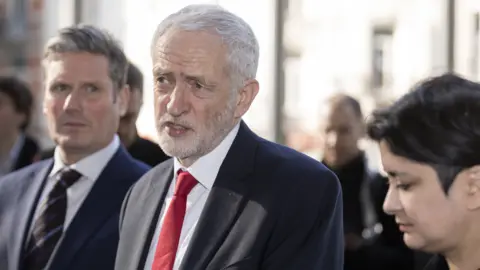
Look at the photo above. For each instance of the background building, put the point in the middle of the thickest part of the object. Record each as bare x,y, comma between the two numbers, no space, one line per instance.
372,49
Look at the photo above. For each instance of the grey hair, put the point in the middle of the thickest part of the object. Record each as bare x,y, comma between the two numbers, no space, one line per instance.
236,34
90,39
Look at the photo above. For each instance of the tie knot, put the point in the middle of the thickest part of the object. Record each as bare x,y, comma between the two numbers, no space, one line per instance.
68,177
185,183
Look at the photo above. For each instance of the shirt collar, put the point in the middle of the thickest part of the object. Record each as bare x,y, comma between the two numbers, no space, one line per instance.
90,166
206,168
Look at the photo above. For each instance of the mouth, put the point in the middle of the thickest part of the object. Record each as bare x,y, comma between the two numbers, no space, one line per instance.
176,130
404,227
74,124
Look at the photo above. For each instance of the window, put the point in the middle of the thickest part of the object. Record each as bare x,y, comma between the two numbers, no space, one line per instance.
381,60
475,46
292,84
15,20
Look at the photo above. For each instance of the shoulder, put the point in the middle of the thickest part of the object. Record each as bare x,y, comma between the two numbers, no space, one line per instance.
296,171
151,178
26,172
126,161
20,179
139,166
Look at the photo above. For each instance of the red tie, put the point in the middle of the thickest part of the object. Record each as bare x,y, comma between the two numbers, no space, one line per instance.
172,224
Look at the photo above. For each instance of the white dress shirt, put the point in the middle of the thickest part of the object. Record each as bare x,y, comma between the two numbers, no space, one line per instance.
90,167
205,170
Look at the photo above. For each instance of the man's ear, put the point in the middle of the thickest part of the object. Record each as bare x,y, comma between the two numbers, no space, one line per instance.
246,95
123,99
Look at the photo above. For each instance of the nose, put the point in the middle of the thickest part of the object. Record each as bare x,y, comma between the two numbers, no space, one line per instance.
331,139
178,103
392,203
72,101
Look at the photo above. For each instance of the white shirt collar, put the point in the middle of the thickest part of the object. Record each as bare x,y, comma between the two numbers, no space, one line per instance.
91,166
206,168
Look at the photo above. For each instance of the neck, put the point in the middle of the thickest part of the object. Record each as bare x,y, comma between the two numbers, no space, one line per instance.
130,139
7,143
340,163
71,156
466,257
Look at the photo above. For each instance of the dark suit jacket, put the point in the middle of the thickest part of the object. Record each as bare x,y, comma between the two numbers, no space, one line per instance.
90,241
270,208
27,155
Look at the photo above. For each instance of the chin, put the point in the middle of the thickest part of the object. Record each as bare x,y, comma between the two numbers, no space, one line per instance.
415,242
72,143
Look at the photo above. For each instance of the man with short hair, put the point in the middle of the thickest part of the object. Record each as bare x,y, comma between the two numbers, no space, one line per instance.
228,199
62,213
17,149
140,148
372,239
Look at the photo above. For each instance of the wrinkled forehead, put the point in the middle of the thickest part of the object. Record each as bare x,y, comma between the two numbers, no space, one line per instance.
189,49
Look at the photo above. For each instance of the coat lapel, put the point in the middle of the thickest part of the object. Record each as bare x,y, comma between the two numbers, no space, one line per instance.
26,209
104,198
225,201
147,213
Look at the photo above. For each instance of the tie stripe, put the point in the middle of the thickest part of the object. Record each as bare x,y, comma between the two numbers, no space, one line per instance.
40,242
49,225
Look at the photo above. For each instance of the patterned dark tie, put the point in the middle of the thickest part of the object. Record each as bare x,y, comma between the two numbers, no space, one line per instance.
48,227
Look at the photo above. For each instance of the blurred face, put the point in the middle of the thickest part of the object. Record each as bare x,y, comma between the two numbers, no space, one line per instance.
342,131
10,119
81,103
127,128
195,105
430,220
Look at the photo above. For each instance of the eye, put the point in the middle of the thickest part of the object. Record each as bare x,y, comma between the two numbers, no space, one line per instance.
91,88
161,79
195,84
59,87
404,187
198,85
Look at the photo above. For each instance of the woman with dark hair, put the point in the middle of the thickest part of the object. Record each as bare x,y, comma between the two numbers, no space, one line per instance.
430,147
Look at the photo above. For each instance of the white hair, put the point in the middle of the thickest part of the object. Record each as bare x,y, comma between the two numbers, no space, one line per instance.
236,34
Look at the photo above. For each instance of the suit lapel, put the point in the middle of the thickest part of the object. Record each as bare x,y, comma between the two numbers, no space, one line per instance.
147,213
103,200
225,201
26,209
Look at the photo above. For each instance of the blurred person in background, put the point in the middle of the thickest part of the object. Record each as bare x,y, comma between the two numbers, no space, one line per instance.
140,148
17,149
429,143
372,240
63,213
